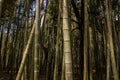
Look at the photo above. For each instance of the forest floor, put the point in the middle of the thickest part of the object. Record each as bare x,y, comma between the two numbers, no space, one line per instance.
4,75
7,75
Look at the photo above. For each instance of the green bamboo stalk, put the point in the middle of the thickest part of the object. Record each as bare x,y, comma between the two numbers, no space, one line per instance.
1,1
36,53
85,76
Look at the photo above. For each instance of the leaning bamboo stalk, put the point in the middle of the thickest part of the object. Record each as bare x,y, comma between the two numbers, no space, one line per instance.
110,42
25,53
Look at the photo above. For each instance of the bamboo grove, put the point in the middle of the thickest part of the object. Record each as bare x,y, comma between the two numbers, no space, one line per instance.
60,39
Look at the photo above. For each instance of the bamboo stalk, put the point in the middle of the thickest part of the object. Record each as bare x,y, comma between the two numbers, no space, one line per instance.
25,53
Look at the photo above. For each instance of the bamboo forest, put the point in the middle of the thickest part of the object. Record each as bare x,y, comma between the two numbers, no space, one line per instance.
59,39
